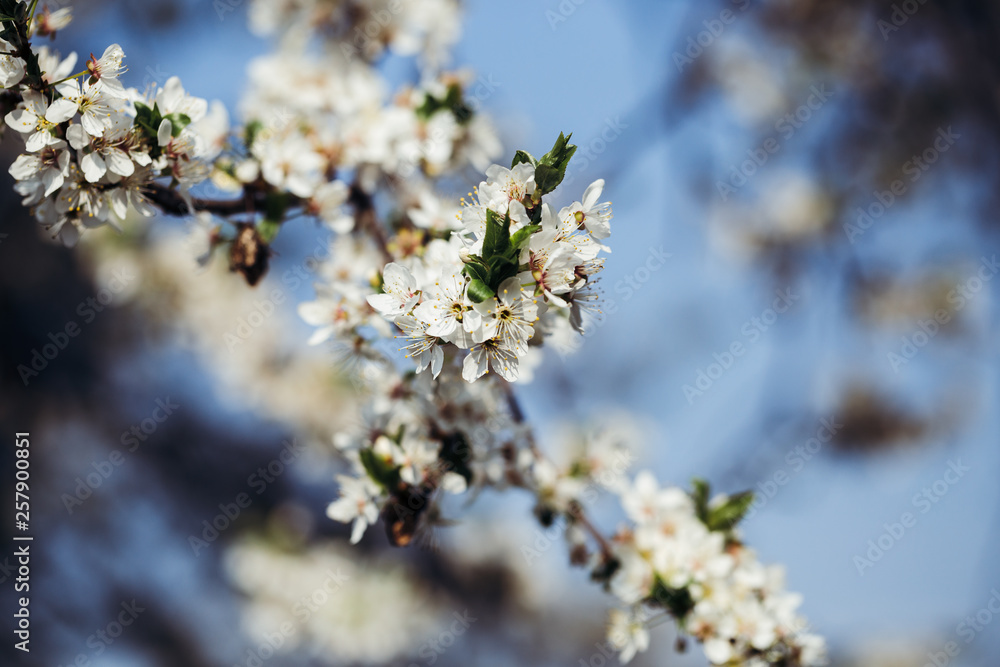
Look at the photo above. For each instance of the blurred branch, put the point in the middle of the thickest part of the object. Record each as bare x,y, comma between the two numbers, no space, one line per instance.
171,202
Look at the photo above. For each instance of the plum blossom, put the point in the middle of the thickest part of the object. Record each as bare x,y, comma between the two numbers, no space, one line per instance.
356,504
400,291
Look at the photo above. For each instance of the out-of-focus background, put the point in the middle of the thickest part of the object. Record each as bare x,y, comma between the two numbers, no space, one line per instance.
822,180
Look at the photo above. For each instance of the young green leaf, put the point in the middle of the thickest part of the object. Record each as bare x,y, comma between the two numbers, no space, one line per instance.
523,156
478,269
268,229
520,238
479,291
275,205
700,497
726,516
178,122
379,470
551,168
501,268
251,132
677,601
452,101
561,151
497,237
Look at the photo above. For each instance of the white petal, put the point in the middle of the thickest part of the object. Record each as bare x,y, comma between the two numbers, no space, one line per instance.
61,111
316,313
113,52
93,167
398,279
360,525
506,367
21,120
718,650
475,365
93,124
165,132
119,162
35,102
387,304
38,141
320,335
452,482
437,361
11,71
112,87
119,203
593,193
25,167
140,204
53,180
69,88
77,136
343,509
69,235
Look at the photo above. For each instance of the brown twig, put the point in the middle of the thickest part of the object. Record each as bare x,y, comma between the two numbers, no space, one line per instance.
171,202
365,219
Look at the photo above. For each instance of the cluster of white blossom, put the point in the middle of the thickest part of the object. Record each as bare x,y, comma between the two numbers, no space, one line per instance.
364,28
321,126
325,602
682,555
472,286
422,439
504,281
92,146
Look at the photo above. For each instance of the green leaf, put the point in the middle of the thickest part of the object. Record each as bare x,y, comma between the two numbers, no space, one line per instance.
547,179
726,516
268,229
452,101
497,238
561,151
251,131
501,268
551,168
523,156
143,114
700,497
478,269
149,120
521,237
379,469
479,291
275,205
677,601
178,122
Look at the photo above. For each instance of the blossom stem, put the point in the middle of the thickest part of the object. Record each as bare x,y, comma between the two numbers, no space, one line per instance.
56,83
31,13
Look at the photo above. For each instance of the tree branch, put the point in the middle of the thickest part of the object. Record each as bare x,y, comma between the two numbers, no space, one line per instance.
365,219
172,203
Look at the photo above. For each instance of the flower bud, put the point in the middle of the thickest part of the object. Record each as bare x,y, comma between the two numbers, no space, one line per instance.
249,254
